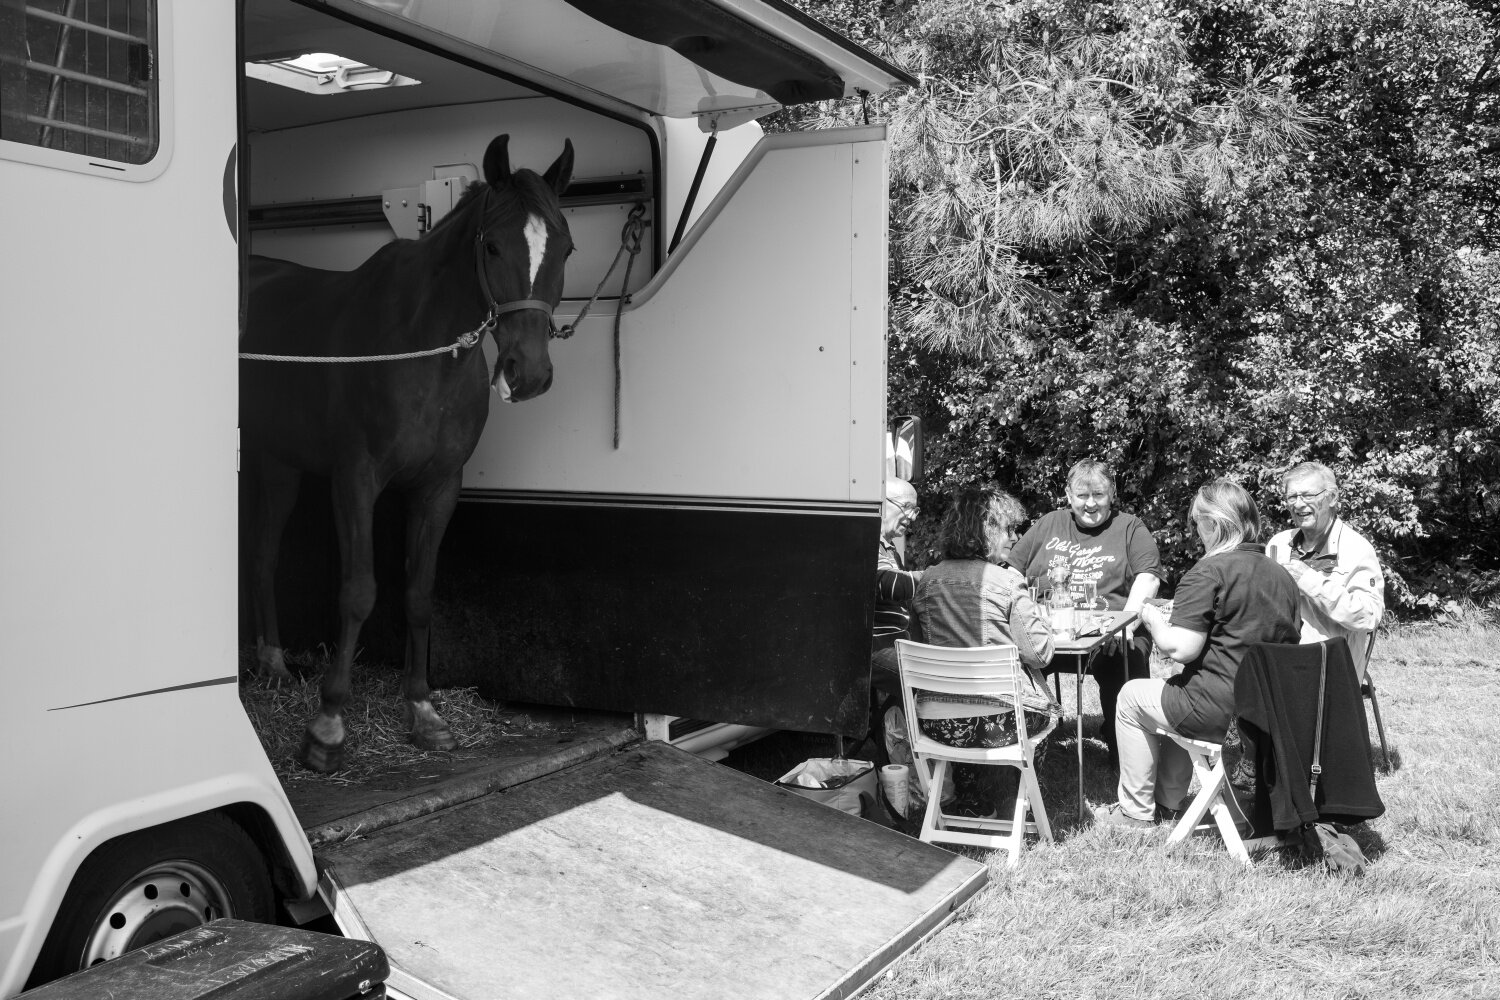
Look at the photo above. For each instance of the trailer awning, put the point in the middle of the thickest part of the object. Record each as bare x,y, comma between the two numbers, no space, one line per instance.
679,58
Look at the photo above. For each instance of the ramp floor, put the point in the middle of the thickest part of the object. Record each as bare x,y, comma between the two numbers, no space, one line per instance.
550,740
647,872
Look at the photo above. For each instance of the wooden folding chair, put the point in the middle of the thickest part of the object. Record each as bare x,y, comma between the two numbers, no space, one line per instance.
1213,797
993,671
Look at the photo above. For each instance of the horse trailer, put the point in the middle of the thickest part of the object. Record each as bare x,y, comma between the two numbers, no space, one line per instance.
683,525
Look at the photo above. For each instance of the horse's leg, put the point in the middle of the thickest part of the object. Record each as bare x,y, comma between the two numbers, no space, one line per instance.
354,493
429,507
276,494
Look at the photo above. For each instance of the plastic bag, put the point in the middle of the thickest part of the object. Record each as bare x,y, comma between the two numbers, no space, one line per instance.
850,786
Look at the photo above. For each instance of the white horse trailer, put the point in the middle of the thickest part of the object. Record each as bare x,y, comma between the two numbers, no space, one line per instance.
687,530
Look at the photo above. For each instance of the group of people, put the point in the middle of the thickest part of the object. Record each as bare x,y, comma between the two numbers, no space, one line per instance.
1315,580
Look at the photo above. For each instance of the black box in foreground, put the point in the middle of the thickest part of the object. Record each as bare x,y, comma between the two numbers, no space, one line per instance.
233,960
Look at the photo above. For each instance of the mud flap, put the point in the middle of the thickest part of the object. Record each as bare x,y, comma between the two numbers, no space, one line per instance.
646,873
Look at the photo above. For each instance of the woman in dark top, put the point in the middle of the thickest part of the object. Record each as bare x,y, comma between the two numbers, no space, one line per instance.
1110,548
1234,596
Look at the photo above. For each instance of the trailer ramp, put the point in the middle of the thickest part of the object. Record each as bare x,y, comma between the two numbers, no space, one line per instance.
646,873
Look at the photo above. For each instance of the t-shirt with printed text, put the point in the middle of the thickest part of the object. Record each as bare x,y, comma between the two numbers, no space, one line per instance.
1112,555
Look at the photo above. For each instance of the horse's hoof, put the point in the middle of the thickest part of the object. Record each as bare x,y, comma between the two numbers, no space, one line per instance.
270,666
428,730
440,739
277,681
315,755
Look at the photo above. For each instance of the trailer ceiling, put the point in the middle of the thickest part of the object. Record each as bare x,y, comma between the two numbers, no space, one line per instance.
729,59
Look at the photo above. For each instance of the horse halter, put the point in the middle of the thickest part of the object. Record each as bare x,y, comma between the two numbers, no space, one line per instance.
498,309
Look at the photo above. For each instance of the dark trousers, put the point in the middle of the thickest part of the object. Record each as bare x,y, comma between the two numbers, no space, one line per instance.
1127,661
885,676
1110,673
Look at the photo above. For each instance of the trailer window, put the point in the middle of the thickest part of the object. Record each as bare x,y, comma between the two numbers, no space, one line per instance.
81,77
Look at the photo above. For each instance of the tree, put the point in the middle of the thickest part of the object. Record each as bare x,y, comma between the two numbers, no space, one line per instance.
1201,237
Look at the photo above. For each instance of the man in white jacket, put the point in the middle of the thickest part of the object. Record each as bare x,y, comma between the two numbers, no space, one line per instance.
1334,566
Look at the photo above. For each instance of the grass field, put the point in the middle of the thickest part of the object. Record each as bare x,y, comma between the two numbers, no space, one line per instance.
1105,913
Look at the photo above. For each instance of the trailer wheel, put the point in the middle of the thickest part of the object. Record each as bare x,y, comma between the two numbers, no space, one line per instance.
151,884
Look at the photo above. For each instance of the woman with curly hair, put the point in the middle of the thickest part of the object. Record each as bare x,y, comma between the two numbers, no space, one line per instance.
972,598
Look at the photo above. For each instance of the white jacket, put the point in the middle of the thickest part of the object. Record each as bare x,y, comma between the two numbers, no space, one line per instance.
1350,600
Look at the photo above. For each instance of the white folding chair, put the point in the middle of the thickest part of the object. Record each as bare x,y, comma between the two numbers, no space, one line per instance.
993,671
1212,797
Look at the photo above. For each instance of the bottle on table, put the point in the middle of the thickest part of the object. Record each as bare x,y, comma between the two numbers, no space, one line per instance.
1060,604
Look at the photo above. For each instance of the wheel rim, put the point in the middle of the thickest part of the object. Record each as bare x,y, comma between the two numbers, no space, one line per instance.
164,899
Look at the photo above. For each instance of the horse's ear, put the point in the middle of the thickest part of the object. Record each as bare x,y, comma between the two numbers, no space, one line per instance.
561,172
497,162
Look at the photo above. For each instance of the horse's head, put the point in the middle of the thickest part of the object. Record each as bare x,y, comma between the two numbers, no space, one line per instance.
523,241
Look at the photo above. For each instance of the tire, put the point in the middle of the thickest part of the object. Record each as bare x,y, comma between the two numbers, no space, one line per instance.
151,884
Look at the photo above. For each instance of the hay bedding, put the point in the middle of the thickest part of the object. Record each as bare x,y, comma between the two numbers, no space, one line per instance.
374,721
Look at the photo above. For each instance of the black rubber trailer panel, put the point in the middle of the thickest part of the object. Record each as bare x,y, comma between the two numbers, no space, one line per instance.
646,873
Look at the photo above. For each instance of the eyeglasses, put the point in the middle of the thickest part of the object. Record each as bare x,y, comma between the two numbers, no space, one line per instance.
911,509
1307,498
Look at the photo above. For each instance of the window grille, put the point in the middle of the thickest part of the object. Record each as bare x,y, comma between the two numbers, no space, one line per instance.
80,76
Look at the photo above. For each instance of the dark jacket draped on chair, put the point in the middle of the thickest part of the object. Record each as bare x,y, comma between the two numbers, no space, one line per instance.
1276,699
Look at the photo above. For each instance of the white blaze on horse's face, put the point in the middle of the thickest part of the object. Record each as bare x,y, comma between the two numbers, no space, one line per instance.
536,246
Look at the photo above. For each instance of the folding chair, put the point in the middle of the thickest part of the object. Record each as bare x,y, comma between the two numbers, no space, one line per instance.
1213,796
993,671
1367,691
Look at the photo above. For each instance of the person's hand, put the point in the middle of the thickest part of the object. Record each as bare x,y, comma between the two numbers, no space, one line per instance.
1297,568
1151,617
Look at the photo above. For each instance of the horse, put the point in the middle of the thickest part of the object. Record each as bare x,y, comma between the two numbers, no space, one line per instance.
493,265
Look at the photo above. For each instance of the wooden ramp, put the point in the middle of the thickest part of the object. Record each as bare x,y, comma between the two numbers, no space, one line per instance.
648,873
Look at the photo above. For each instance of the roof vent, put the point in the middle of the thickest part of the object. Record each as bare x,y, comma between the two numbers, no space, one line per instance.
325,73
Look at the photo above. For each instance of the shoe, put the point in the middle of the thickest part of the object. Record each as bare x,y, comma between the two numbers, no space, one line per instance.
1165,815
1113,815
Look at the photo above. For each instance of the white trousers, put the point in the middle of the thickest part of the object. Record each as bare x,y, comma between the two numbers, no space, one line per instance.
1153,769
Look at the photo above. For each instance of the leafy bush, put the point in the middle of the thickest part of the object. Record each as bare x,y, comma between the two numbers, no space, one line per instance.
1200,238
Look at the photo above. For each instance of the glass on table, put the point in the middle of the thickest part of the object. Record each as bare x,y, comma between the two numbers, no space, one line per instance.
1090,595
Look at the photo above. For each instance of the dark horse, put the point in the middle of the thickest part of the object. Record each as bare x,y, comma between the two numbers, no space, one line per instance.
494,264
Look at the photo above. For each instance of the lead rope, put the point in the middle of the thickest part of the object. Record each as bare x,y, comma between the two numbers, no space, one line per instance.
464,341
631,235
626,234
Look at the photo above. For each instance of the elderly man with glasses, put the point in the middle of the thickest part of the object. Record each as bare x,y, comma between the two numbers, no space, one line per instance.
895,585
1335,568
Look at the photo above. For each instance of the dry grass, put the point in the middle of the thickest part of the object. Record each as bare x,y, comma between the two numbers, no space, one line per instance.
373,719
1113,913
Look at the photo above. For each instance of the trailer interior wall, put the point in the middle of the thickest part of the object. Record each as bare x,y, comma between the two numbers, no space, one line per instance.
715,564
366,156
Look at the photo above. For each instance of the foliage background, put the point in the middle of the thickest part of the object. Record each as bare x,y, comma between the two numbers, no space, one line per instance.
1200,238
